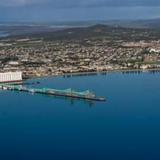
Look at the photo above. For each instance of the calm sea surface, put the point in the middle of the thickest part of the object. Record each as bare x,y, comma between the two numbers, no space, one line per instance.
3,34
127,126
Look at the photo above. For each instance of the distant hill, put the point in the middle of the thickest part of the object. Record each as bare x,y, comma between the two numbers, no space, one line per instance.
18,29
98,31
149,23
27,29
111,30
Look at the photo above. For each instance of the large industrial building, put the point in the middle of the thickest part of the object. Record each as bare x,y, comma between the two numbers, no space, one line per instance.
10,77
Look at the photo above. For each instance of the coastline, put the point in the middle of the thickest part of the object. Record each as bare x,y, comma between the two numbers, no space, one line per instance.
94,73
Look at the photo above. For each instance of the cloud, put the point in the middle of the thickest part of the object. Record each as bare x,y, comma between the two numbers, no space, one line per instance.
80,3
106,3
16,3
74,10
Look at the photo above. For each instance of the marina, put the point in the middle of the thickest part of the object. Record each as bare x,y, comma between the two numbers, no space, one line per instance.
86,95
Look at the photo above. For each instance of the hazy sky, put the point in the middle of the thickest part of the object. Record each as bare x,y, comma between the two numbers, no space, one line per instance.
76,10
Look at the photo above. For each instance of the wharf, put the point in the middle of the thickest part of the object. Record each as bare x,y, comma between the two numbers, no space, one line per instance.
87,95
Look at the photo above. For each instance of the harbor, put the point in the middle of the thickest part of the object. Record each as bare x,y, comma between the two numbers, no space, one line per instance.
86,95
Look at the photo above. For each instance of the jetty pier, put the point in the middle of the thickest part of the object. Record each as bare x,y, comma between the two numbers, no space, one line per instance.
86,95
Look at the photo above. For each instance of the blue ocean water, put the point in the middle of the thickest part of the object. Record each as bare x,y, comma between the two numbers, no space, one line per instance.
3,34
127,126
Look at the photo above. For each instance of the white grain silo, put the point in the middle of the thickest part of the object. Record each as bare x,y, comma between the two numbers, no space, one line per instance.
10,77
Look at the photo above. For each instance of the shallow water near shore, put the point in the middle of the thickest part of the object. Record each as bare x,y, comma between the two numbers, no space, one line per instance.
127,126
